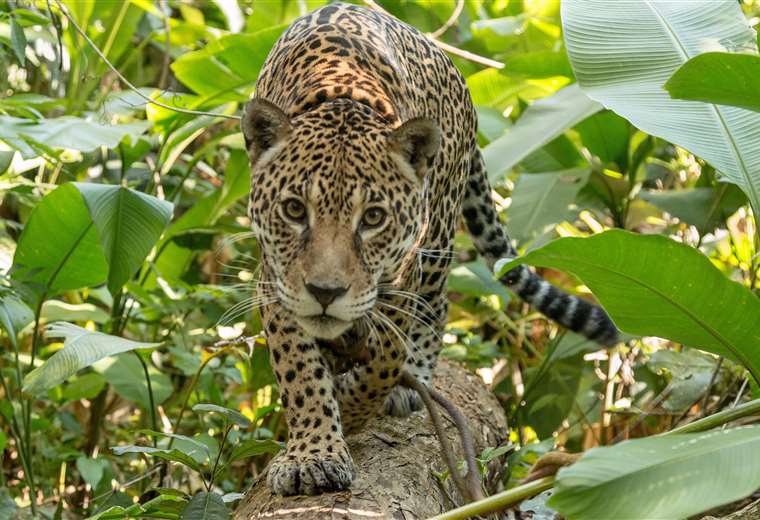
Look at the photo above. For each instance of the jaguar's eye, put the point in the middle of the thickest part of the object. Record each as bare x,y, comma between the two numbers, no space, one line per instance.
373,217
294,210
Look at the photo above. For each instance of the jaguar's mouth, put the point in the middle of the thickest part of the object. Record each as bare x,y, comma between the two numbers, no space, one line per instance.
323,326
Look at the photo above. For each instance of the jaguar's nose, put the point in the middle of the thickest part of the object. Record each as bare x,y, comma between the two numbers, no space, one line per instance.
325,295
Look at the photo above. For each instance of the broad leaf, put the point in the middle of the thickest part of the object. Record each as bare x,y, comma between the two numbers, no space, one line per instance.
64,132
231,415
86,386
68,258
624,52
542,121
129,224
91,470
674,476
81,348
606,135
205,506
227,68
653,286
542,200
476,279
719,77
170,455
57,310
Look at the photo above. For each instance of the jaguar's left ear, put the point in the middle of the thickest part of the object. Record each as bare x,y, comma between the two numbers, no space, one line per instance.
263,125
416,141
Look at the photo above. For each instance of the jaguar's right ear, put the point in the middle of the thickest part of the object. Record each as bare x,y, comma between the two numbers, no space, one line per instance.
263,125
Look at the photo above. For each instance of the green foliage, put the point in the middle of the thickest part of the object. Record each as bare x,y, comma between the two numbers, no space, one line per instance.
686,299
69,258
123,229
713,468
81,349
626,69
129,223
719,77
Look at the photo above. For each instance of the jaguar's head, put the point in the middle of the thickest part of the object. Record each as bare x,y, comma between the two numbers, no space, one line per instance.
338,205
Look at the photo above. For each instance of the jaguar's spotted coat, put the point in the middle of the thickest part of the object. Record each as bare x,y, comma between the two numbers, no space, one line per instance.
362,139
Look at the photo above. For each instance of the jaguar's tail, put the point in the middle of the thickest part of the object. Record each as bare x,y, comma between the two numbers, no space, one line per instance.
493,243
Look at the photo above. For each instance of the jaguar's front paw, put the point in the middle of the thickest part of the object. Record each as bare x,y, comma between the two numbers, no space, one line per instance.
401,402
311,474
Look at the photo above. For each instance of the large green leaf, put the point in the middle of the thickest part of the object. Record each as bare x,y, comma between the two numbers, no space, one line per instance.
206,506
229,414
653,286
81,348
58,249
674,476
719,77
172,455
542,121
129,223
227,68
624,52
543,199
64,132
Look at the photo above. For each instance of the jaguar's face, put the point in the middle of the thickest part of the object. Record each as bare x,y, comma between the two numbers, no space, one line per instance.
337,203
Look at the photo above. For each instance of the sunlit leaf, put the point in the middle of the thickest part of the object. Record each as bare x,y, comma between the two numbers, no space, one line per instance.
719,77
542,121
172,455
232,415
623,53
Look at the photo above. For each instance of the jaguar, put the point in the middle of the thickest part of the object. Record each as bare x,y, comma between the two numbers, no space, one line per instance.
362,142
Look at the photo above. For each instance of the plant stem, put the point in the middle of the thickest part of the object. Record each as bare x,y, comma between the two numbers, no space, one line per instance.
153,422
182,410
719,419
22,453
499,501
218,456
28,408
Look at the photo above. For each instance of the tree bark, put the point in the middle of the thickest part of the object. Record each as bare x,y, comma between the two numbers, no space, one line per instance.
396,461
